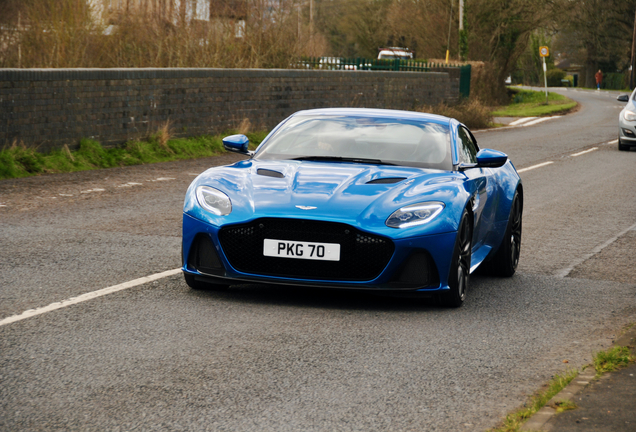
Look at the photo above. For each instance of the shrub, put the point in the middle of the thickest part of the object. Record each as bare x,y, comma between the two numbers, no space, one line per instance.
471,112
554,77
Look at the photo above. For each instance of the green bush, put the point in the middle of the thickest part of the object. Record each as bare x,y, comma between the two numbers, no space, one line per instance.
554,77
615,81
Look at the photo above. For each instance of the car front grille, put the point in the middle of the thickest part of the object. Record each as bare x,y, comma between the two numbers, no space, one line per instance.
363,256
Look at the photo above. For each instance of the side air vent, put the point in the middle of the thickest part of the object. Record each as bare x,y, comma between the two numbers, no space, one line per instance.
269,173
387,180
203,256
418,270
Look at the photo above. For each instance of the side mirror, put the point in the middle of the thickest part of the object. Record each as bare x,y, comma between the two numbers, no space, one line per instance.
488,158
623,98
236,144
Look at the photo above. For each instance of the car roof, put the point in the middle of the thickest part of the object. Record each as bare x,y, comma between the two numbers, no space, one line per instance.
375,112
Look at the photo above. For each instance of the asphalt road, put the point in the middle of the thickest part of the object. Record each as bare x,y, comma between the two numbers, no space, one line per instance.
160,356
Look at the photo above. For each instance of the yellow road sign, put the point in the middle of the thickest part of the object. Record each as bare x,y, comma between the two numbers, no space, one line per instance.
544,51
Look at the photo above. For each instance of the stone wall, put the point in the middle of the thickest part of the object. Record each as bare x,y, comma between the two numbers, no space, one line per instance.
47,108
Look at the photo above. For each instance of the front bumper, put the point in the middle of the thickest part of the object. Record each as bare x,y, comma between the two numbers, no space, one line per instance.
627,131
416,264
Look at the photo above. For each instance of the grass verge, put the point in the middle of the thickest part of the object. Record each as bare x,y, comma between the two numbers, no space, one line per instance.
529,103
609,360
20,161
513,421
612,359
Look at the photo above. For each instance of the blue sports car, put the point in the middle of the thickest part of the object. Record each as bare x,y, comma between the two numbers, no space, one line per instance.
356,198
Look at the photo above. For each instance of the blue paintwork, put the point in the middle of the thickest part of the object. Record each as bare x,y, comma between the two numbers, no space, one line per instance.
236,143
340,193
489,158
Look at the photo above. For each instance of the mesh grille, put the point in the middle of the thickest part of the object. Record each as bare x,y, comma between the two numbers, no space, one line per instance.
362,256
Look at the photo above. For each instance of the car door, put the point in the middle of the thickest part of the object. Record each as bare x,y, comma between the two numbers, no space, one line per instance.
481,185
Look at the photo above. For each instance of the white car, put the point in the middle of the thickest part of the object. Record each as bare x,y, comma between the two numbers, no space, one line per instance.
627,122
392,53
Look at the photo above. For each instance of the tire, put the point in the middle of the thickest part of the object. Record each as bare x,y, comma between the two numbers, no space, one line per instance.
505,261
460,265
200,285
621,146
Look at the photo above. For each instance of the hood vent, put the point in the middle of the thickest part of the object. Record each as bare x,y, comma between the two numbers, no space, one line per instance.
269,173
387,180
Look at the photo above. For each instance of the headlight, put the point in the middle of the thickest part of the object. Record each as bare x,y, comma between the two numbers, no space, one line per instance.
213,200
415,214
629,115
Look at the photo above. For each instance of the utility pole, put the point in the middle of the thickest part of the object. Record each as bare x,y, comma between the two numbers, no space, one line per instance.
632,84
311,19
450,21
19,43
461,51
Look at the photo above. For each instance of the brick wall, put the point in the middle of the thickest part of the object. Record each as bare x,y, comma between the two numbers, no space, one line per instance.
47,108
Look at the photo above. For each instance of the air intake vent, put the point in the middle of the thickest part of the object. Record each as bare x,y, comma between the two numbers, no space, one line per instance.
203,256
269,173
387,180
418,270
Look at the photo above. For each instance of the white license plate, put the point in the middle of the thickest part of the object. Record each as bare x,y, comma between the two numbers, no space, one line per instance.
301,250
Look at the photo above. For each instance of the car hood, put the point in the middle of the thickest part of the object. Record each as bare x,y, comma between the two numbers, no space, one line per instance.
364,195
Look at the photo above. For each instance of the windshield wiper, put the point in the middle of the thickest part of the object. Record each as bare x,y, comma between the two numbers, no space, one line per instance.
343,159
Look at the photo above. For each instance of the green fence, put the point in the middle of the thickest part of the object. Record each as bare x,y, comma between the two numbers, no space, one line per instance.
395,65
464,81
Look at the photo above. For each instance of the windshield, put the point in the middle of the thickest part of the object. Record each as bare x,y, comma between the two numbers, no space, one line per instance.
361,139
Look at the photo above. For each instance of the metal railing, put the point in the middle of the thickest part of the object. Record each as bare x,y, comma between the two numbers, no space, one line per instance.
395,65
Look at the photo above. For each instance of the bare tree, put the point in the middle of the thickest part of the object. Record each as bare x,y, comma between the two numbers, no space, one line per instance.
598,32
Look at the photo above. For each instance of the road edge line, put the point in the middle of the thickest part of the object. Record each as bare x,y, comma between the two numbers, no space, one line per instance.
88,296
566,271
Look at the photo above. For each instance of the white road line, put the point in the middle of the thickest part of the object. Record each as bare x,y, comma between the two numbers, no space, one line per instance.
584,152
88,296
539,120
612,142
535,166
566,271
521,120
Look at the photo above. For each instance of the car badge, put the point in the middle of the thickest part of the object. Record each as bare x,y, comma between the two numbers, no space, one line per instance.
306,207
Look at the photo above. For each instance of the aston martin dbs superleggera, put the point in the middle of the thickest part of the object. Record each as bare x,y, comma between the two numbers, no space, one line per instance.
356,198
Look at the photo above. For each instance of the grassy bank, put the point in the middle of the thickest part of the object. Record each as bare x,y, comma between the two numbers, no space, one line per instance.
19,161
523,103
529,103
